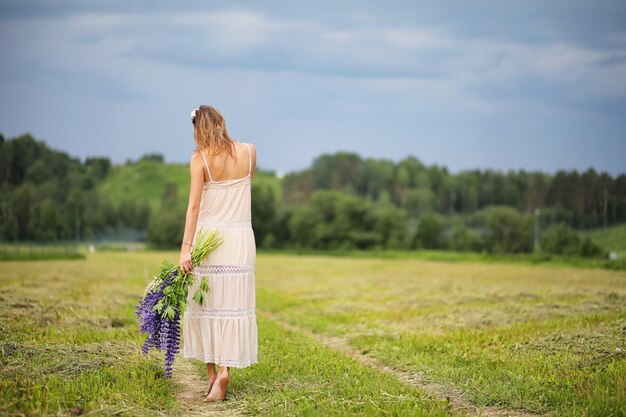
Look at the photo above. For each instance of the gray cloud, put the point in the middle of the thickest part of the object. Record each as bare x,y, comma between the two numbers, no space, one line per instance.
383,79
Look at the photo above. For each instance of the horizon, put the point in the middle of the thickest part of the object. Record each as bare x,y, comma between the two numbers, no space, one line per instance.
281,173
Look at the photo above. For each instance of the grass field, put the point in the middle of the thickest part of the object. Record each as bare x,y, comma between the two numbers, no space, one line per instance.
444,255
337,336
32,251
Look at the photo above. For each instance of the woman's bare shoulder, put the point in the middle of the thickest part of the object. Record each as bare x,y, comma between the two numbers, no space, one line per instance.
242,147
249,147
196,159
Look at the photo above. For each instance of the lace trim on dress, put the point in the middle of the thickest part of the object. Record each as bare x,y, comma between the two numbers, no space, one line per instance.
227,225
224,269
235,363
220,313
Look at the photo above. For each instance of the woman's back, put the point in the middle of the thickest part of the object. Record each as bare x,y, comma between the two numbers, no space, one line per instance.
226,194
224,167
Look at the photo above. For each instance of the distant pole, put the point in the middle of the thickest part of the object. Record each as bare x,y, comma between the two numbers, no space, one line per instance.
537,211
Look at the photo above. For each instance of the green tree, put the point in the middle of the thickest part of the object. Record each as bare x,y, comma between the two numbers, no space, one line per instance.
509,231
337,220
155,157
419,201
46,220
264,213
377,176
559,239
8,221
429,233
20,209
341,171
465,239
297,188
165,228
390,226
590,249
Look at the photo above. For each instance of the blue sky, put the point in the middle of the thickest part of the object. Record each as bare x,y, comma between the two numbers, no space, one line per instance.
534,85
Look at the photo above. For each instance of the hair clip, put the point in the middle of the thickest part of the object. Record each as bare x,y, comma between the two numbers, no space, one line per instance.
193,115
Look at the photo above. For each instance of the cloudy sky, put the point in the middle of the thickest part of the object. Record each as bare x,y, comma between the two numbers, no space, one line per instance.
503,84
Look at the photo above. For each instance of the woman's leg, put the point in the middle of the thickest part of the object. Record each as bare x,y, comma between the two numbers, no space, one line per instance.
218,392
224,370
211,374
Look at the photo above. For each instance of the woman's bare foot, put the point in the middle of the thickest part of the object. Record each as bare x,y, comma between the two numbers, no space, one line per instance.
212,379
218,391
211,375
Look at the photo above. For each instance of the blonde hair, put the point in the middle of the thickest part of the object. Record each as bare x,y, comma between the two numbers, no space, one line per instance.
210,132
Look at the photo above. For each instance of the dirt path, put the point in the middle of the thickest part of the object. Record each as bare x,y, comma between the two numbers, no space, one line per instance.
455,398
191,390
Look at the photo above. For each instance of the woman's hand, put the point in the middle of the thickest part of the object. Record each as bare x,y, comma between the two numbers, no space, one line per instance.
185,263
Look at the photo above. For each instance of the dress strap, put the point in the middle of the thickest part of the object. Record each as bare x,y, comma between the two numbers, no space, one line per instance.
207,167
249,160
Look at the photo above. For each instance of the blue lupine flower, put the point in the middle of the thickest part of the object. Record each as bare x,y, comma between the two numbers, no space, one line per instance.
159,312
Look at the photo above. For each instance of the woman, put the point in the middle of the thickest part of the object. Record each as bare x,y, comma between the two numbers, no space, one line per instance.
223,330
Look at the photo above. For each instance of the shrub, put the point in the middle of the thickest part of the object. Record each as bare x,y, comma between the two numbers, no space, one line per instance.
465,239
509,231
429,232
165,229
559,239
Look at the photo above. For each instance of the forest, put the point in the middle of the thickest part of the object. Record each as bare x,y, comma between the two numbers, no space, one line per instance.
342,201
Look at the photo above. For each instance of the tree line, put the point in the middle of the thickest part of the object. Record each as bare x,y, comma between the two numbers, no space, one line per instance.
342,201
46,195
582,200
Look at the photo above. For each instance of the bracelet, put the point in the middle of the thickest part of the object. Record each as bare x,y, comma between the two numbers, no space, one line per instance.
185,243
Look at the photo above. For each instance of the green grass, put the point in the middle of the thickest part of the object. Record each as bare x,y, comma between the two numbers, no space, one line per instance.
69,342
543,339
39,256
120,246
612,238
454,256
536,366
69,345
145,181
298,376
30,251
529,337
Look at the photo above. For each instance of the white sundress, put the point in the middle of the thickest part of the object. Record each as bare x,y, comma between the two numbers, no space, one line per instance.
224,329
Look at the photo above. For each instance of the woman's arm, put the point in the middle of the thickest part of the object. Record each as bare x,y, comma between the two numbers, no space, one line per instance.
196,172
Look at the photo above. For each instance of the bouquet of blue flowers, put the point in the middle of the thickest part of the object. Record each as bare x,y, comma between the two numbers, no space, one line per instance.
165,300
